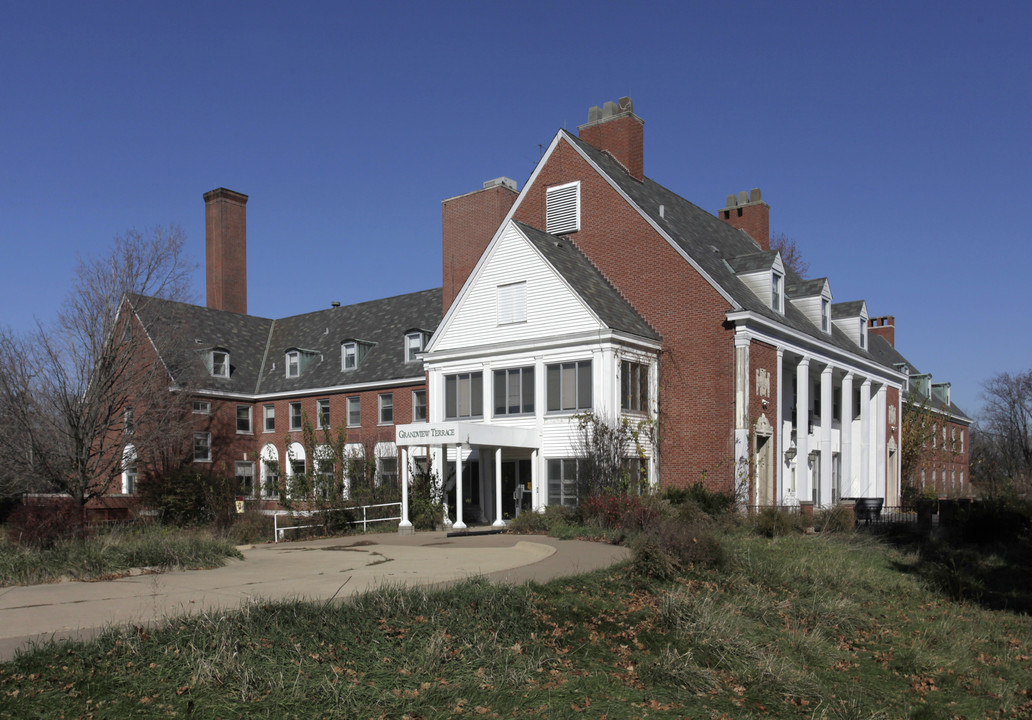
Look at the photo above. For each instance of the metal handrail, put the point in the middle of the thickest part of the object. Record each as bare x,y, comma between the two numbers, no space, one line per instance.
277,531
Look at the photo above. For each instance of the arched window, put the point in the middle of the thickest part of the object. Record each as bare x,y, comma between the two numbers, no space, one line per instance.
270,472
295,464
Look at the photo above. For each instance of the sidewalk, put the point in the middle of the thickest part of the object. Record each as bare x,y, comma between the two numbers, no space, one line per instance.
316,570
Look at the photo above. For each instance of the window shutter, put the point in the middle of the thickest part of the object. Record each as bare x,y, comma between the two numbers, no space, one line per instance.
562,209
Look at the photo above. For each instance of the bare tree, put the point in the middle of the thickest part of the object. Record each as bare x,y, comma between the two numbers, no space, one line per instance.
790,254
77,392
1005,433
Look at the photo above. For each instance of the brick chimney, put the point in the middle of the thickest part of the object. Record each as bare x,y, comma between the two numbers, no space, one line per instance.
748,212
884,326
615,129
225,258
468,223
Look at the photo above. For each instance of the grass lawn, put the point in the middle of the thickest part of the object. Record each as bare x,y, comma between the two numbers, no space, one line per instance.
112,553
800,626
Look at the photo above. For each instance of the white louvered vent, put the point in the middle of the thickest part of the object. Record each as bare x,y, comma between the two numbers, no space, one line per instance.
512,303
562,209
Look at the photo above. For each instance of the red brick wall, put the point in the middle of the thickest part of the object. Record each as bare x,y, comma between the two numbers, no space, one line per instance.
755,220
697,363
225,230
948,462
623,138
468,224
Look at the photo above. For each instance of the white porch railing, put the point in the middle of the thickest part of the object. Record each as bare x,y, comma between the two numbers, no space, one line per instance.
278,530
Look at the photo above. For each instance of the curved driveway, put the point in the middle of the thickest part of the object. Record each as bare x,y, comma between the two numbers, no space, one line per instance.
317,570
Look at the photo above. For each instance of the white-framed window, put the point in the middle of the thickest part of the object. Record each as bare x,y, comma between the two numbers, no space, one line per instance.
863,333
129,470
243,419
415,341
295,416
387,470
201,407
568,386
245,478
269,418
777,291
352,353
322,413
825,315
419,406
512,303
354,406
634,386
464,395
219,363
514,391
293,363
127,420
386,401
296,465
202,447
562,208
270,471
562,482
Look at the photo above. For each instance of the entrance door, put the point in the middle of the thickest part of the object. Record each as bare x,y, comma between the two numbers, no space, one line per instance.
764,472
516,496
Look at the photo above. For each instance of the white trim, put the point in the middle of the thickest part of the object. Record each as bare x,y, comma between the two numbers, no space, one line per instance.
356,387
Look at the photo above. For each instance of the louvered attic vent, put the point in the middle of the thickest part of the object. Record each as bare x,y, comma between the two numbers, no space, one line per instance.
562,209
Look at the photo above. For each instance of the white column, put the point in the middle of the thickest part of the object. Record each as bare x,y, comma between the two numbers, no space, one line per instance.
403,473
459,525
824,492
779,428
802,429
880,485
536,491
846,423
865,438
498,522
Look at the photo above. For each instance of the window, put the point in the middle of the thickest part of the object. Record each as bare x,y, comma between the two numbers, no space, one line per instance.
386,408
201,407
127,420
419,406
562,482
323,413
562,209
863,333
776,291
293,364
463,395
295,416
270,471
514,391
414,344
245,478
569,386
512,303
219,364
269,413
634,386
202,447
243,418
825,315
387,471
129,470
354,411
352,352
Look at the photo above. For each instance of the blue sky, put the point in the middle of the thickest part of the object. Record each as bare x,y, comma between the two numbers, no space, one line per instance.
892,140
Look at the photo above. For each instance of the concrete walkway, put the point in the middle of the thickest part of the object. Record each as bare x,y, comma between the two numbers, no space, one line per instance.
317,570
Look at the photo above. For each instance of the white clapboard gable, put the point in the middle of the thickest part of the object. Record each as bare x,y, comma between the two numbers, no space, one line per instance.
553,309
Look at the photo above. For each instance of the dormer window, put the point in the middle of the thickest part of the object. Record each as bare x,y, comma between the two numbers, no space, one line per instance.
352,352
218,363
293,364
825,315
415,341
777,291
863,333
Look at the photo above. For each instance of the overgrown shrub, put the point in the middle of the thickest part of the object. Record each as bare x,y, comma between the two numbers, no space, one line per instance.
426,501
712,502
44,524
835,519
250,527
188,497
994,520
528,523
669,546
554,520
774,522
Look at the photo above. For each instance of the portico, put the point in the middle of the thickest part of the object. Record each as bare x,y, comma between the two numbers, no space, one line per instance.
458,439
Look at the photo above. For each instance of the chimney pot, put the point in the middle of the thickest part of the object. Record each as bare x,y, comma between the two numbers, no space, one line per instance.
594,114
754,195
615,129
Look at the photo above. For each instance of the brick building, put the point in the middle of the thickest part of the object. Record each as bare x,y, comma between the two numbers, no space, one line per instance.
591,289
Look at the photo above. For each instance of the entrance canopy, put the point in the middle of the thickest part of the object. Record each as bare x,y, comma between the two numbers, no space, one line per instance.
465,433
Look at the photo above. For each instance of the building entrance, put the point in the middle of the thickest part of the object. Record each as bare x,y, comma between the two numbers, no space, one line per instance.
516,488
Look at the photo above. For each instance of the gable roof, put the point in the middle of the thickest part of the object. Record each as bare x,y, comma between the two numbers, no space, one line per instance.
806,288
710,243
586,280
257,346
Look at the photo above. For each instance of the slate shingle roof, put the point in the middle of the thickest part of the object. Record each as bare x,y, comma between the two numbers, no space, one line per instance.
604,300
806,288
886,354
257,346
